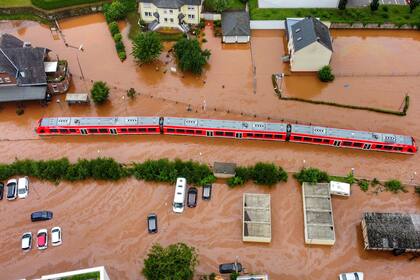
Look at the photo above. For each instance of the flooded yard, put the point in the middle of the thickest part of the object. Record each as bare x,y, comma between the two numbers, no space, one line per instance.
103,225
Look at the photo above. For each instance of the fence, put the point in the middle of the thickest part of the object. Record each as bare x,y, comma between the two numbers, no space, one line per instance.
297,3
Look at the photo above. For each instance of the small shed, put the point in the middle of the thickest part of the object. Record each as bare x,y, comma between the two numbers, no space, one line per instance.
256,218
253,277
77,98
224,170
340,188
236,27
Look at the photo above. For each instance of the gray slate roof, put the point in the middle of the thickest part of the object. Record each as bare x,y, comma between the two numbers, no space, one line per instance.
15,93
235,24
172,4
310,30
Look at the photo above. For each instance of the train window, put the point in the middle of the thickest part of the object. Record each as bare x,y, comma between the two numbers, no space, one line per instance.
268,135
180,131
141,129
230,134
53,130
63,130
258,135
103,130
132,129
93,130
198,132
326,141
388,147
123,129
249,135
379,146
219,133
317,140
170,130
189,131
41,131
278,136
359,145
307,139
297,138
397,148
151,129
347,143
72,130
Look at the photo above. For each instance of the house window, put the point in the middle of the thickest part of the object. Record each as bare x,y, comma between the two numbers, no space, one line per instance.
172,20
191,16
171,11
191,8
166,19
165,11
147,14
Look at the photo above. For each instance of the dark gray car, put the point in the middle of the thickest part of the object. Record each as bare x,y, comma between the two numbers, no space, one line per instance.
152,226
41,216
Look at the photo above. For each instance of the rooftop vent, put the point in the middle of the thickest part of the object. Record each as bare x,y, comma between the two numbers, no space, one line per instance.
27,44
297,30
300,38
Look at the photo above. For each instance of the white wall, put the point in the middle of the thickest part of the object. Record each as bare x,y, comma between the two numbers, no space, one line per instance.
298,3
311,58
267,24
211,16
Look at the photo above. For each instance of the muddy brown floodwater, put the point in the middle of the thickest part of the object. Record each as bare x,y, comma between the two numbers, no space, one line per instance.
104,223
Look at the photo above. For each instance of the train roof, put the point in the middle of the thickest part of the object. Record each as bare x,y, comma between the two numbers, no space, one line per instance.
352,134
99,121
225,124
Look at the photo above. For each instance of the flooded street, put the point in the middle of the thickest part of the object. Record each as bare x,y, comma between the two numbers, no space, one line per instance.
103,225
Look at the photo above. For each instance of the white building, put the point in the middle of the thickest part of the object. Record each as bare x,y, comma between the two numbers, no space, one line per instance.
298,3
175,14
98,272
235,27
309,44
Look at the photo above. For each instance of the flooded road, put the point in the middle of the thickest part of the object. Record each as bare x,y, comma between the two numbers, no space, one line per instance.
107,226
114,229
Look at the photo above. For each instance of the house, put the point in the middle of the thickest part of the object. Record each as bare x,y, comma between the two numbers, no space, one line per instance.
27,73
170,14
309,44
98,272
235,27
298,3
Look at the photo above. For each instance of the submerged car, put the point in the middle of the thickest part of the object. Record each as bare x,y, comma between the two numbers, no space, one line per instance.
56,236
152,226
192,197
11,189
27,241
206,195
23,187
351,276
1,190
230,268
42,239
41,216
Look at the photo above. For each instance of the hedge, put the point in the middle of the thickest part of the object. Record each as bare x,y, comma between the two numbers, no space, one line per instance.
57,4
261,173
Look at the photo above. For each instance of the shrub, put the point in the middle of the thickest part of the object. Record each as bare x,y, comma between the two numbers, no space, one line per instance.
122,55
268,174
235,181
364,185
131,93
176,262
394,186
120,46
204,40
113,28
99,92
417,190
190,57
115,11
202,24
20,111
117,37
233,275
311,175
147,47
106,169
384,8
325,74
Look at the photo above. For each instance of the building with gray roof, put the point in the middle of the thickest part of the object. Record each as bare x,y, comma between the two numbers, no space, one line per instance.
236,27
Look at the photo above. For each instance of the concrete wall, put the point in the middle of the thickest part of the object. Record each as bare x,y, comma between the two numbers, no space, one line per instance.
298,3
235,39
211,16
267,24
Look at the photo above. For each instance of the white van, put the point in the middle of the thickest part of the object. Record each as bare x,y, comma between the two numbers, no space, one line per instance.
179,197
23,187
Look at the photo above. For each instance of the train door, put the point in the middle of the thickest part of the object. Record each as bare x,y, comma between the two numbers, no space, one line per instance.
238,135
337,143
367,146
209,133
113,131
83,131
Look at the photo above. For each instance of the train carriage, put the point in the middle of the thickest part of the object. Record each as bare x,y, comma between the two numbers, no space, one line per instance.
99,125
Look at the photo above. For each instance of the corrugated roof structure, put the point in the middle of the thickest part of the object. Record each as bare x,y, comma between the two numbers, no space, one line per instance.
256,218
317,214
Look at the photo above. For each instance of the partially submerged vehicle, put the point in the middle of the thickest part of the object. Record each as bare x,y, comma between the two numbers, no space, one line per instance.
152,223
56,236
192,197
42,239
27,241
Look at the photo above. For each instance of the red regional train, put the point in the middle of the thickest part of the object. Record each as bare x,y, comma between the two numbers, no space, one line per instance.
285,132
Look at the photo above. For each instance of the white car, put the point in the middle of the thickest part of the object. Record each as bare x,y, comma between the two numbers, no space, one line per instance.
56,236
27,241
42,239
11,189
351,276
23,187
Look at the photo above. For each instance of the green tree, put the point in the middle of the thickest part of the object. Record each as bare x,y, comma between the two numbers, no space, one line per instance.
325,74
220,5
342,4
175,262
190,56
413,4
99,92
312,175
115,11
147,47
374,5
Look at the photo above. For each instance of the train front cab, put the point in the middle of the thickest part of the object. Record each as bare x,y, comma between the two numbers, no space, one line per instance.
97,130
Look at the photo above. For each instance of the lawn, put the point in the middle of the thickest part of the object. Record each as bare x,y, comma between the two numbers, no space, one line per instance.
15,3
232,5
56,4
386,14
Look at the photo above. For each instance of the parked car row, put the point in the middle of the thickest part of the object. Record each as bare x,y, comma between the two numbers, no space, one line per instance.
15,188
42,239
179,197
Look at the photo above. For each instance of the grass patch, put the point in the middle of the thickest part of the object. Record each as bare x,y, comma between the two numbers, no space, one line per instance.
397,14
57,4
133,19
25,17
233,5
170,37
15,3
